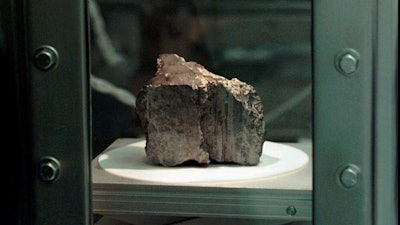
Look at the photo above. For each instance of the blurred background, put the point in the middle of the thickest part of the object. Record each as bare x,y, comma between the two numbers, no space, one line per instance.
266,44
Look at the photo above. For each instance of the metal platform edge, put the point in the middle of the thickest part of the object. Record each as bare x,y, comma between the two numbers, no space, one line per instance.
189,201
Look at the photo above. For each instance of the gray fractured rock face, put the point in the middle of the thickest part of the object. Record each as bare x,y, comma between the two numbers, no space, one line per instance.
189,113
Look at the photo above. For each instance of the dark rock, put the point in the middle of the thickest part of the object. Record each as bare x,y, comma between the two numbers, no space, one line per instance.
189,113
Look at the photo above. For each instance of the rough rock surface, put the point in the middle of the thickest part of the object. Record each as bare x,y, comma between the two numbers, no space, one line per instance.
189,113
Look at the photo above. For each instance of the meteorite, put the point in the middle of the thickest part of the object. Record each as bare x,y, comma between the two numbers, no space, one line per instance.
191,114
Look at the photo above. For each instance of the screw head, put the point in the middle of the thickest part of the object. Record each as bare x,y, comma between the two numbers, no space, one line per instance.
346,61
49,169
291,210
348,64
46,58
349,176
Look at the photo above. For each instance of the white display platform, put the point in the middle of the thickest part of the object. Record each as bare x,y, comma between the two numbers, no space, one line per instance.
119,193
130,162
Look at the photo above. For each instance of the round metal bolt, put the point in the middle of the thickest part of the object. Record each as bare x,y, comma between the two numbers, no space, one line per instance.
349,176
347,61
348,64
291,210
49,169
46,58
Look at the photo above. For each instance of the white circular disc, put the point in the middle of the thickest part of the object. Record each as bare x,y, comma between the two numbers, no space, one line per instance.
130,162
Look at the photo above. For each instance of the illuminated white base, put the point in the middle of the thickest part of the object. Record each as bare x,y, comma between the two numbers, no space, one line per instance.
130,162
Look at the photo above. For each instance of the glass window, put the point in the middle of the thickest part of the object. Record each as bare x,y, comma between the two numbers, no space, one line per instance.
266,44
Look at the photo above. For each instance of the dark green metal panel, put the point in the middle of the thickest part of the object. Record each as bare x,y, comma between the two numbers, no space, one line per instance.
354,94
60,106
46,47
386,115
343,112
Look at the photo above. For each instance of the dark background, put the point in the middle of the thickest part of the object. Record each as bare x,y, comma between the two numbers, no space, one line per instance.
264,43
